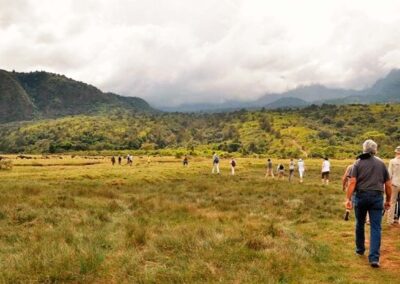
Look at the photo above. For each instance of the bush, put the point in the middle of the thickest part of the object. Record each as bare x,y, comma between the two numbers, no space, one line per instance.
6,164
324,134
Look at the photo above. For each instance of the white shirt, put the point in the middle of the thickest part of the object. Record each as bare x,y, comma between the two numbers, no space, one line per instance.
326,166
300,165
394,171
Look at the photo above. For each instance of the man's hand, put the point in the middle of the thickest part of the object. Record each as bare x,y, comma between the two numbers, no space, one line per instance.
349,204
387,205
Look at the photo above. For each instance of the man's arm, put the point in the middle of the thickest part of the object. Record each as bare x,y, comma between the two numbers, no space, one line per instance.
388,191
349,194
345,178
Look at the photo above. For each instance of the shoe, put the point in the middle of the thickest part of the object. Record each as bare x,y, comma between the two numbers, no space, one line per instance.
375,264
359,254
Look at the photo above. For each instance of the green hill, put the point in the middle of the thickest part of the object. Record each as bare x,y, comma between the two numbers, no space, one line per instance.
314,131
15,103
25,96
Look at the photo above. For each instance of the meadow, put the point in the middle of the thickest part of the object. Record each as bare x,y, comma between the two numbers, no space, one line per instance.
82,220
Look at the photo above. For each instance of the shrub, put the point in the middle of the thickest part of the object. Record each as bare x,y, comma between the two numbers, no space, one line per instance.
6,164
324,134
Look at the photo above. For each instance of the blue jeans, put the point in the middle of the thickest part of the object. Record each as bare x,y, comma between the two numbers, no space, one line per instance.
371,202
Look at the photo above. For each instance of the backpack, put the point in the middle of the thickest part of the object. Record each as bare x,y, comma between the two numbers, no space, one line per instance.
216,160
233,163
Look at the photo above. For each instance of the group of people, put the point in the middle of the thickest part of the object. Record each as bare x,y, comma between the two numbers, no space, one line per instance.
280,169
366,183
129,160
215,161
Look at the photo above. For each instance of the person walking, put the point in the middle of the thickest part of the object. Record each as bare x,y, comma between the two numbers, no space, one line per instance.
185,161
129,160
369,179
113,160
301,166
291,170
119,160
215,163
233,165
326,168
270,170
281,171
394,173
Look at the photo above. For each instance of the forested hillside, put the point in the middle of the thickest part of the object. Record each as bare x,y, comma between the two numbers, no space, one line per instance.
315,131
38,95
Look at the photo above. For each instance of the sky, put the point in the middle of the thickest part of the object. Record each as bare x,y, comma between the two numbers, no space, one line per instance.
173,52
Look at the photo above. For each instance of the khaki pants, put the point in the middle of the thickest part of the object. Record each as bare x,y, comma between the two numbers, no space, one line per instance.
270,173
395,193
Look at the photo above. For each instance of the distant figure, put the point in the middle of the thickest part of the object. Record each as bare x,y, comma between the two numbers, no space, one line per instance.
148,160
325,170
113,160
369,180
129,160
119,160
302,168
291,170
186,161
233,165
215,163
394,172
270,171
281,171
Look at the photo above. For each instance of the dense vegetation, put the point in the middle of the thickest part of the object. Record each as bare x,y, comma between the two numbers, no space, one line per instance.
334,131
26,96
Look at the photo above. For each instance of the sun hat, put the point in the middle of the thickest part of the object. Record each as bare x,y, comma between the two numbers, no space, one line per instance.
397,150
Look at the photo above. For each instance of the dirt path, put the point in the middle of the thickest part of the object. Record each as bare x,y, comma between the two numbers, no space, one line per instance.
390,250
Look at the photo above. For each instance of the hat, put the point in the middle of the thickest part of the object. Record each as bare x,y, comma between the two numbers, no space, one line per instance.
397,149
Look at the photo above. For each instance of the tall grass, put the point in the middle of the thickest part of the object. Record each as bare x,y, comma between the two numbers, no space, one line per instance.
162,223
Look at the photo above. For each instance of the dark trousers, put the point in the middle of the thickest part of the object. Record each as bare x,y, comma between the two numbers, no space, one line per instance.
371,202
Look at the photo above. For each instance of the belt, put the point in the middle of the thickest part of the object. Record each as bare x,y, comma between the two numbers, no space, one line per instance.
371,192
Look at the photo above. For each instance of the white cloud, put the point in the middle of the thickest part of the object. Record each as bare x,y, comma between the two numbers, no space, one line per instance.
175,51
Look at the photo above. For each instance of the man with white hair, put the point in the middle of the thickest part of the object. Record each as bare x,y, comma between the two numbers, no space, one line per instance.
369,179
394,172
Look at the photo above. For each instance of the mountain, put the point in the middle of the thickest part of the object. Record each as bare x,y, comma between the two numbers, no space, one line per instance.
385,90
15,103
287,102
25,96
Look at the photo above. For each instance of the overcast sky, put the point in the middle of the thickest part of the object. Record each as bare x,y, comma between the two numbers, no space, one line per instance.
183,51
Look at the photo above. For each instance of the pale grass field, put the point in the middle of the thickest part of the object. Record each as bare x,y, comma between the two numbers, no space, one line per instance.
82,220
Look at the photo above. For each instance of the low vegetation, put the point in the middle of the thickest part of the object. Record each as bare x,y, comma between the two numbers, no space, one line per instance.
159,222
328,130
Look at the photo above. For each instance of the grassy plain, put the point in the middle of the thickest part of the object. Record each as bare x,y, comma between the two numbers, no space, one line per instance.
83,220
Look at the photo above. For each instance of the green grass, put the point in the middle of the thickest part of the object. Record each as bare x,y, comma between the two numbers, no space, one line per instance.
68,221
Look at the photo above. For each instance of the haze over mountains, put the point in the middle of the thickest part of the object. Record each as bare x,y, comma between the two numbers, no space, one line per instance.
35,95
384,90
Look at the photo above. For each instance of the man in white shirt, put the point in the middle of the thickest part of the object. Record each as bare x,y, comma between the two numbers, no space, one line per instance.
302,168
326,168
394,173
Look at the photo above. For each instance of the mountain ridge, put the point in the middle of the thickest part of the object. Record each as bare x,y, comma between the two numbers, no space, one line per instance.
386,89
42,94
